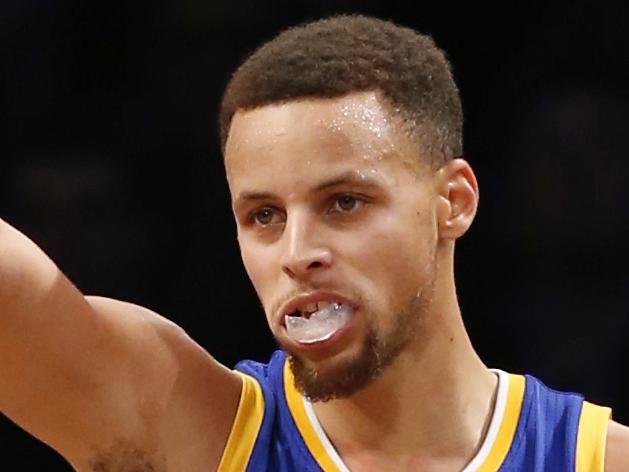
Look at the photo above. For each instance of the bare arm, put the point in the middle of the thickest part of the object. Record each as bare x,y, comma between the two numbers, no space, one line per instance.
617,453
94,377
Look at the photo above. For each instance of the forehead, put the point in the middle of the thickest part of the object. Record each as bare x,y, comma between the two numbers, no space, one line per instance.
354,130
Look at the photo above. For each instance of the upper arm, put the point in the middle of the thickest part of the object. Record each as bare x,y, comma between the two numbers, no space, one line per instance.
617,450
82,373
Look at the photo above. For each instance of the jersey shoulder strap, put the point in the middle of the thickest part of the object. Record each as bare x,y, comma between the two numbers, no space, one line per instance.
592,438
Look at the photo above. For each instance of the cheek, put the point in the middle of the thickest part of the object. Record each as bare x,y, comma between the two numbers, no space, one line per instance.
400,264
257,264
395,243
395,262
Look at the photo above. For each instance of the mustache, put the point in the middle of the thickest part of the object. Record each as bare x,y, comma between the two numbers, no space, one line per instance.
347,292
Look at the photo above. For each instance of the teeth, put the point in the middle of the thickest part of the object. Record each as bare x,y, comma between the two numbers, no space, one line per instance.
316,306
323,305
331,305
309,308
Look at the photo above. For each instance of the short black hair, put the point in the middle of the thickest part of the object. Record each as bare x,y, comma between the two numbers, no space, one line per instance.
336,56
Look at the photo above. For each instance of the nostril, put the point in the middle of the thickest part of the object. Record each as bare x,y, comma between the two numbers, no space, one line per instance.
302,265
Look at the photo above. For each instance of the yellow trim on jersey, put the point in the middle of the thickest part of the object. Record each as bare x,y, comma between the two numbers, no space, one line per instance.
308,433
508,426
591,438
245,428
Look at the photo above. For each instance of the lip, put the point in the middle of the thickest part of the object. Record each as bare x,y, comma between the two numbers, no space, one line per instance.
313,297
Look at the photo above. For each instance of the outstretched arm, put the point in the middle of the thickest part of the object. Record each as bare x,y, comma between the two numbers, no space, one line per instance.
103,380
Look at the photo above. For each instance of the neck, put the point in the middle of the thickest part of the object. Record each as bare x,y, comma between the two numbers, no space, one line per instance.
433,403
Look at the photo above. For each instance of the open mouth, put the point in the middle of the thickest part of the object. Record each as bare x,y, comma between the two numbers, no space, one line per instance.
316,322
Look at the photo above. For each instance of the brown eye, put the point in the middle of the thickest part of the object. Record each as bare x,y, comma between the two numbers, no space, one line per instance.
266,216
263,216
346,203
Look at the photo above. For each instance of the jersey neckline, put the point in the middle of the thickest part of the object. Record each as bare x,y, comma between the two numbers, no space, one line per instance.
490,455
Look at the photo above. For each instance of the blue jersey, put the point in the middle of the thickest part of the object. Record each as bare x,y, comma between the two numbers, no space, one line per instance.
533,428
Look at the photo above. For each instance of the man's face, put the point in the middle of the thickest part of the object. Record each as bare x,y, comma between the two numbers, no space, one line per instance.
334,205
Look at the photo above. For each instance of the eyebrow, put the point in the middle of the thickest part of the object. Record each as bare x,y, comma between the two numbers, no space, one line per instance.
248,196
346,178
351,177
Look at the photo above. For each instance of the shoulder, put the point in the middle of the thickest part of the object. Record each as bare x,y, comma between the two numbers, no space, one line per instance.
130,313
156,343
144,330
185,399
617,451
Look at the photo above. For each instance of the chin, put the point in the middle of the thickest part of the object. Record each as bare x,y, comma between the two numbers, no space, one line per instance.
345,373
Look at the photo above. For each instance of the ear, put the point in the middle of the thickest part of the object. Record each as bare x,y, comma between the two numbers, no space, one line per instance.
457,198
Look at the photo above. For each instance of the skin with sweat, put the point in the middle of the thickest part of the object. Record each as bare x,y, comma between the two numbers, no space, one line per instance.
331,198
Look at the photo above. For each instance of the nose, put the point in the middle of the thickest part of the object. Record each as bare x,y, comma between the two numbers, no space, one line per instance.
303,254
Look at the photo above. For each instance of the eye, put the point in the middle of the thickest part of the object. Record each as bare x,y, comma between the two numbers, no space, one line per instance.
265,216
346,203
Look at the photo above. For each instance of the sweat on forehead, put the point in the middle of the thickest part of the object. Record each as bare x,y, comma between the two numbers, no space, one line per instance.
356,124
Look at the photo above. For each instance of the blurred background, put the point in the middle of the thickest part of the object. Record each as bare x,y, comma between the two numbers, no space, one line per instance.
109,160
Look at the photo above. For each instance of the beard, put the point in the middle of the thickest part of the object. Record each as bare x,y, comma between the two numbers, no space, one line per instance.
378,350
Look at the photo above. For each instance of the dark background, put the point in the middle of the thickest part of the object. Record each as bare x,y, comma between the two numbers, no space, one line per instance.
109,160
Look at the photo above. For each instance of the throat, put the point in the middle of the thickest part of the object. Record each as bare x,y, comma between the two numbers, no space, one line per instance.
376,429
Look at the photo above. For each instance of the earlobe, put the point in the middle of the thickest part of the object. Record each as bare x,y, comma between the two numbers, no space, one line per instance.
458,198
